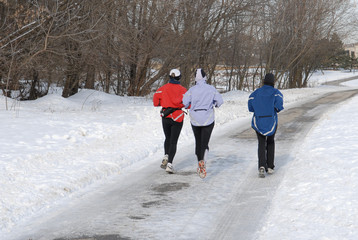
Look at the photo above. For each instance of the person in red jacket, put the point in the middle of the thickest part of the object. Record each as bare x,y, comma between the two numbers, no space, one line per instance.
170,97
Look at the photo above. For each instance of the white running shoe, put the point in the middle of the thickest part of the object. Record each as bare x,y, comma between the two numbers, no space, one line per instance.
164,162
270,171
169,168
262,172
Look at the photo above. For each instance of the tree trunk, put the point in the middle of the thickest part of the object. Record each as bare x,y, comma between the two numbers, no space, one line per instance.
71,84
73,70
132,79
33,91
89,84
108,81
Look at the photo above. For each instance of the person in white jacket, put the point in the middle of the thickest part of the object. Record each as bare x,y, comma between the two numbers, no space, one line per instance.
201,99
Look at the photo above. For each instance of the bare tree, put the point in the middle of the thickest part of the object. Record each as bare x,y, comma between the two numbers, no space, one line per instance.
126,47
294,29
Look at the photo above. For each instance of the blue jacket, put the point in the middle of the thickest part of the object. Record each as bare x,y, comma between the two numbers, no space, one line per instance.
202,98
265,103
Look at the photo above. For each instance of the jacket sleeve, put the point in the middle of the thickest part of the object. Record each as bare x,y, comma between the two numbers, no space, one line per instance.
278,101
187,99
218,100
250,102
157,97
182,105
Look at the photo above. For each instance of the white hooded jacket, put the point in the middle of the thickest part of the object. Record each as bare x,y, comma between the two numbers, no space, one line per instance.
201,99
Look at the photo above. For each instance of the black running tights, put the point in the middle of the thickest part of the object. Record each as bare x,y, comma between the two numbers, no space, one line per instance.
202,137
172,131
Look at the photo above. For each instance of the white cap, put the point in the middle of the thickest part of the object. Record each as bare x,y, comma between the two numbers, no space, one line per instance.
176,73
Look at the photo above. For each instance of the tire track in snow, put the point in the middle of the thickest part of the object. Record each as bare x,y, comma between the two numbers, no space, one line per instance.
245,214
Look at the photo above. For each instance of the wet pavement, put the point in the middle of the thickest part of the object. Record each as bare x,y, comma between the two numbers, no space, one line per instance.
124,209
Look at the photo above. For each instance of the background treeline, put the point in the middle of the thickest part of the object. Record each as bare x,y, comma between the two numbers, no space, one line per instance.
127,47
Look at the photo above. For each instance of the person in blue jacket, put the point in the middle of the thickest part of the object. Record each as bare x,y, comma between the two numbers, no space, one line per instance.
201,99
265,103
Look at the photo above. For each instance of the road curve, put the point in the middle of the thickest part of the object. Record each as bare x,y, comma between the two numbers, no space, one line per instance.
243,218
232,199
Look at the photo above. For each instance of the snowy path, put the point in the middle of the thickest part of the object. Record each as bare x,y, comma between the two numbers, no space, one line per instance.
229,204
243,216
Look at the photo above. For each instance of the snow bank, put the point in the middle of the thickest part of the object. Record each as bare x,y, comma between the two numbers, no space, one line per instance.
53,147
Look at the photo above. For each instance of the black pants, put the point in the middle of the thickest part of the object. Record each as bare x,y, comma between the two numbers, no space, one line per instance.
202,137
266,150
171,131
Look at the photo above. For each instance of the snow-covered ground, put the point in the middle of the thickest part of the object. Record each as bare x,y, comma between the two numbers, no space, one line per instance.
52,148
318,197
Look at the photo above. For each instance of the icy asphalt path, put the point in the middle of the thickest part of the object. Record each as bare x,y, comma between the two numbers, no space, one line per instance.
244,216
147,203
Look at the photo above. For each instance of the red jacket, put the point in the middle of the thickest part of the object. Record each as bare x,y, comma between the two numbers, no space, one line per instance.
171,95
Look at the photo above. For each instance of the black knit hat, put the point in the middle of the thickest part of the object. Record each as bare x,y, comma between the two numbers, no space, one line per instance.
269,79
